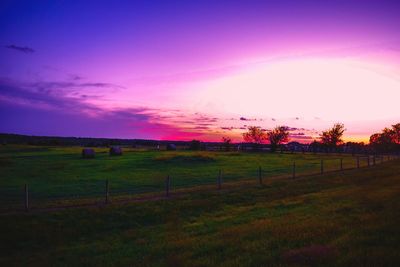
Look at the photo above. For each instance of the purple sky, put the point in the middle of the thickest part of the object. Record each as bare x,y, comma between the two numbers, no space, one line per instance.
198,69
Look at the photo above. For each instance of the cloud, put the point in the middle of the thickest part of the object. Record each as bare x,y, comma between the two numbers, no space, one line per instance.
247,119
27,110
56,85
31,120
300,137
99,85
46,95
23,49
50,111
26,95
75,77
201,128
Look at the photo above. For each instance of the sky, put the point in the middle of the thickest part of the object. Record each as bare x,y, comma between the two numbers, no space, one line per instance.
183,70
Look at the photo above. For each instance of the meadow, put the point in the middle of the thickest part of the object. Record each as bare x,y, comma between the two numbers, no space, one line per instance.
54,173
345,218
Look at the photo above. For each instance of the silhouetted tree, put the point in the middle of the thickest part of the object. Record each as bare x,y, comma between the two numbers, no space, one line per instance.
277,136
195,145
315,146
255,135
396,133
227,142
354,147
331,138
386,141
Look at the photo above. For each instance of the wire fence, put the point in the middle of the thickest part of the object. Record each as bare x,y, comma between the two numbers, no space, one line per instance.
35,197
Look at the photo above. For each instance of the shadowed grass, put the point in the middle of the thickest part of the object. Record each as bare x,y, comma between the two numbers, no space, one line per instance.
338,219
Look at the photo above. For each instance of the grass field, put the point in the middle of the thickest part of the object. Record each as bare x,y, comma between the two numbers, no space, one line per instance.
57,172
346,218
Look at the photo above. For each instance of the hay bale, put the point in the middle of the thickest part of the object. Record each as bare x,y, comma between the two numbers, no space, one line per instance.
171,147
115,151
88,153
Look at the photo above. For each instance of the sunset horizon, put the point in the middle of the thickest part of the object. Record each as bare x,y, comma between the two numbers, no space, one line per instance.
198,70
200,133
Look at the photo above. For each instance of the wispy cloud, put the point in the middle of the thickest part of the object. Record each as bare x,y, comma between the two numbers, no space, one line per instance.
75,77
23,49
22,94
49,100
247,119
54,85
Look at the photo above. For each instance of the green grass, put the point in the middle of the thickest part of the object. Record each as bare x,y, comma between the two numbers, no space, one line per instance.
338,219
60,171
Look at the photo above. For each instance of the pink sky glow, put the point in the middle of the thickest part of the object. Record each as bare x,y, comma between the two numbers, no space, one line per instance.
198,70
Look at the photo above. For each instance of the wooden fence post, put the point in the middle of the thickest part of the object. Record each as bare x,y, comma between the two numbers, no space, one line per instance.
358,162
167,185
341,164
368,161
373,160
322,166
26,198
294,170
260,175
107,192
219,180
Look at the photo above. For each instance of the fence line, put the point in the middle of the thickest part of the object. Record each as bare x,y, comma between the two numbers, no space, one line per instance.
292,171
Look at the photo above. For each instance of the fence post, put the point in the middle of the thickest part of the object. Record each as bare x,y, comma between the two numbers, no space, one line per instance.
373,160
219,180
167,184
107,192
322,166
368,161
260,175
341,164
26,198
358,162
294,170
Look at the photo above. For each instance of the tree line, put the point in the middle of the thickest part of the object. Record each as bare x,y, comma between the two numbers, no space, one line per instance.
329,140
386,141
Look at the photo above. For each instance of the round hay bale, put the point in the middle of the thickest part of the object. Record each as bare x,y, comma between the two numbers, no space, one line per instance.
115,151
88,153
171,147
